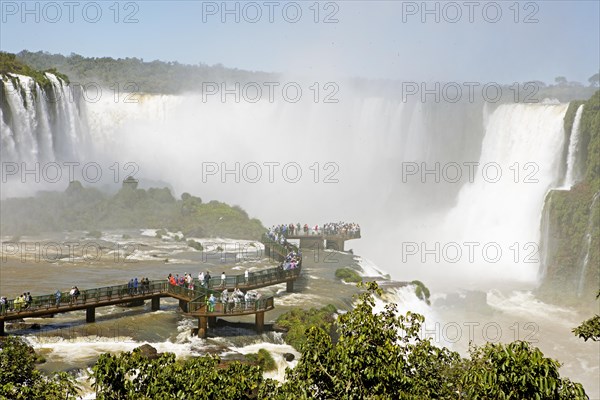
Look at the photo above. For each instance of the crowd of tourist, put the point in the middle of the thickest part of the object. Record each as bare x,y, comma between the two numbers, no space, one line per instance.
348,229
279,233
136,287
236,300
20,302
293,260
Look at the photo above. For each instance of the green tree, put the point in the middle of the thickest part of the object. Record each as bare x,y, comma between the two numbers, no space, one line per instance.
589,329
560,80
376,356
19,379
594,80
516,371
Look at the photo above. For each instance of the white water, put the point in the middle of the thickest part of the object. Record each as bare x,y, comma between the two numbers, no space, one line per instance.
571,175
44,126
500,208
586,246
170,137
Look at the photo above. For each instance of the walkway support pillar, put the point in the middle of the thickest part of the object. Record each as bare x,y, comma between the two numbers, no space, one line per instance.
156,303
90,314
260,321
183,305
335,244
2,328
212,322
202,327
289,286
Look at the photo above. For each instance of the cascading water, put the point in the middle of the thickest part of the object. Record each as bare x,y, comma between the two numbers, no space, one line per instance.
572,175
587,242
370,139
40,124
501,207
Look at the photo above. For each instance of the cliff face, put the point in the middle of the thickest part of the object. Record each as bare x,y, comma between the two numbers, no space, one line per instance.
570,270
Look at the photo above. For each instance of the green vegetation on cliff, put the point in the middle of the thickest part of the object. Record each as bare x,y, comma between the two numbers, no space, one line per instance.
572,220
80,208
10,64
348,275
298,321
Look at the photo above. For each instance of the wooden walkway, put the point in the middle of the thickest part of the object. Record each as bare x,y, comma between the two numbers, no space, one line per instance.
193,302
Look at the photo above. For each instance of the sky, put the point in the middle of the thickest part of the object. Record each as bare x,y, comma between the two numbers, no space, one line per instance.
503,41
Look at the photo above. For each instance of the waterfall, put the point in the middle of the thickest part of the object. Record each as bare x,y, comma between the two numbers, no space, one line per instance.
545,239
369,139
40,124
585,250
572,175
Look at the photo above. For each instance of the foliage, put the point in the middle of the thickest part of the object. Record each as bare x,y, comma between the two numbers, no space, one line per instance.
146,77
373,356
589,329
19,379
370,359
263,359
572,220
421,291
348,274
516,370
81,208
10,64
195,245
298,321
130,375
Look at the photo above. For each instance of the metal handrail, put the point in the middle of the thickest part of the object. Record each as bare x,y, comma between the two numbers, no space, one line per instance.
242,306
107,293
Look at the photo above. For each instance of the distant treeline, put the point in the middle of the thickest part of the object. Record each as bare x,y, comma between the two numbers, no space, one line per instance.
150,77
81,208
172,78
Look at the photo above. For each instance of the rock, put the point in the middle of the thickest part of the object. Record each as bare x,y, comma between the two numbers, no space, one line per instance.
288,357
279,328
36,326
148,351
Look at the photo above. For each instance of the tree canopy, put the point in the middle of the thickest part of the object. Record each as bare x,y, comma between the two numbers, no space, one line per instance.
373,356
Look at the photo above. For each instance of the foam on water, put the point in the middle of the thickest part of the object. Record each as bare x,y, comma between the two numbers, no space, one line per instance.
277,351
369,269
525,304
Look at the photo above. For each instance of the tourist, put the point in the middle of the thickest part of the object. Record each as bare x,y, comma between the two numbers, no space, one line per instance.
129,287
223,279
18,302
74,294
135,285
211,303
207,279
247,276
224,298
57,296
3,303
201,278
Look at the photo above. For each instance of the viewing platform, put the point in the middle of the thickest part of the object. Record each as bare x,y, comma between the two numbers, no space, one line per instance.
191,301
332,236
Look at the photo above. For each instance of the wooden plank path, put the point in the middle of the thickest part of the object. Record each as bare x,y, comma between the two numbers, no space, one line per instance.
193,302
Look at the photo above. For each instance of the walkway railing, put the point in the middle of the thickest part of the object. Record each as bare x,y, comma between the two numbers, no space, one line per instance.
202,306
88,296
94,296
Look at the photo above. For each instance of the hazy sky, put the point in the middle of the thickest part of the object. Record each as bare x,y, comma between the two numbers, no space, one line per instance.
500,41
